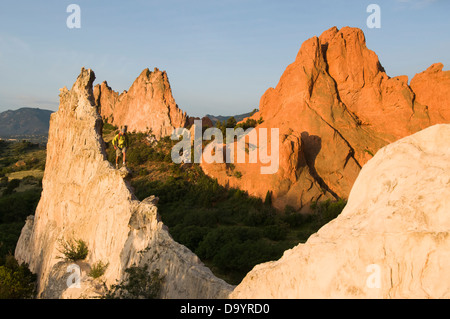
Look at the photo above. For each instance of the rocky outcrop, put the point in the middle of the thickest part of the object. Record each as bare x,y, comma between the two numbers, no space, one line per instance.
84,198
391,241
147,105
431,88
335,107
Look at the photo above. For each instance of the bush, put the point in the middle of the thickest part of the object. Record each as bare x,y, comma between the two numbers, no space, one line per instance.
3,181
14,183
21,147
73,249
214,241
190,236
276,232
268,199
9,235
328,210
139,284
259,216
247,124
98,269
17,206
16,281
109,127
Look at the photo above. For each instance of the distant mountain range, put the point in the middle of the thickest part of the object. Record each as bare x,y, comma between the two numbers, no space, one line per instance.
24,123
221,118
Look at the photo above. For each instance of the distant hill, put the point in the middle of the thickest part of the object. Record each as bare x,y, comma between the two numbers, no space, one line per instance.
25,123
222,118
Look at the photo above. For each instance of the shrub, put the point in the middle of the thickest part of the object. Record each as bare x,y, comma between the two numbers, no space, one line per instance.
12,185
9,235
190,236
139,284
237,174
20,147
98,269
328,210
17,206
73,249
16,281
276,232
109,127
268,199
247,124
3,181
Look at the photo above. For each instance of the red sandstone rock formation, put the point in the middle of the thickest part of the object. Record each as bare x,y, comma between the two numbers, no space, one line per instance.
148,105
335,107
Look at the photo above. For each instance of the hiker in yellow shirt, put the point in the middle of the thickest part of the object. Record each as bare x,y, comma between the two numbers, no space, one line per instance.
120,143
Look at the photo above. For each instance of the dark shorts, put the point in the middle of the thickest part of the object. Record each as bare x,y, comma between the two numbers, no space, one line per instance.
119,151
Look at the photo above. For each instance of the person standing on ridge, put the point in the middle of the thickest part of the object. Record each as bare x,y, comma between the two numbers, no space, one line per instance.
120,143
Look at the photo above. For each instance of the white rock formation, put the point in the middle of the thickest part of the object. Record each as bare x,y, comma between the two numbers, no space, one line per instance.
391,241
84,197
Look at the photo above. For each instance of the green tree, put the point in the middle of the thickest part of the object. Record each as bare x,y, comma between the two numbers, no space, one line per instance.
231,122
73,249
16,281
139,284
268,199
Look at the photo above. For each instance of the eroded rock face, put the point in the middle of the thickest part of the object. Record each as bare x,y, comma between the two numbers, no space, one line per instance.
338,107
431,88
85,198
391,241
148,105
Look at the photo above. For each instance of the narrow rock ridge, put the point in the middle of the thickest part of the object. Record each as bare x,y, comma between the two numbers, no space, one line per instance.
84,198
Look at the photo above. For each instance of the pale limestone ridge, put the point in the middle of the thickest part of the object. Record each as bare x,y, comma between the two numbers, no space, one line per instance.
84,197
397,218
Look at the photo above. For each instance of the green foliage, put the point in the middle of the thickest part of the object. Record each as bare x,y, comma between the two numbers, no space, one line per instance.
3,181
16,207
369,152
21,147
141,152
107,128
12,184
139,284
73,249
98,269
31,155
16,281
260,120
231,122
247,124
323,212
276,232
228,229
9,234
328,210
268,199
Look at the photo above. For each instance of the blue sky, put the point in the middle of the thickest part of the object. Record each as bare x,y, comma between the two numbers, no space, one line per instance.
220,56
